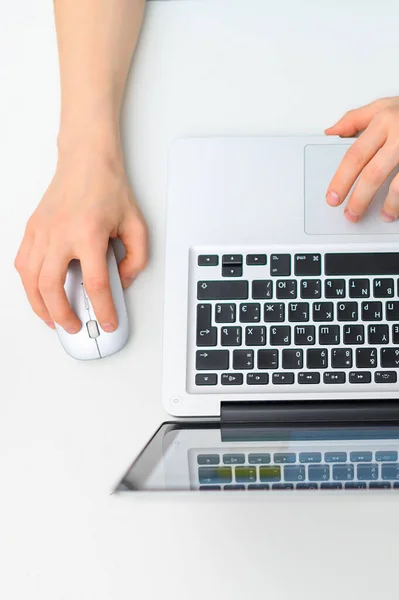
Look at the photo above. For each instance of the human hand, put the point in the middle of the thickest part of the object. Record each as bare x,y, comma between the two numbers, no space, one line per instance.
88,201
372,158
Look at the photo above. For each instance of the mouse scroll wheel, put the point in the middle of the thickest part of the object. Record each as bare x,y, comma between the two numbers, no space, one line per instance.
92,329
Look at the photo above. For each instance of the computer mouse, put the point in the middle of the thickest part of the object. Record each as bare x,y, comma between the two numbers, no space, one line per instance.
91,342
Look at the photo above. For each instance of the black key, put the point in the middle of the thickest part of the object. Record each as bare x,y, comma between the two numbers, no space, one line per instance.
367,472
234,459
354,334
309,378
334,288
234,487
282,486
385,377
305,336
222,290
298,312
243,359
362,263
209,488
356,485
323,311
335,457
215,475
378,334
390,358
392,311
379,485
225,313
274,312
206,334
359,288
208,260
231,271
317,358
329,335
307,486
208,459
343,472
386,456
257,378
292,359
280,264
307,264
334,377
245,474
230,336
262,289
269,474
318,473
331,486
358,456
366,358
255,336
280,335
390,472
258,486
347,311
250,313
259,459
371,311
310,289
286,288
206,379
284,457
267,359
341,358
283,378
294,473
256,259
360,377
395,334
231,379
232,259
212,360
310,457
383,288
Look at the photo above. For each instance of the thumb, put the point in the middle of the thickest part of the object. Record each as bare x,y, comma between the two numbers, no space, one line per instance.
356,120
134,235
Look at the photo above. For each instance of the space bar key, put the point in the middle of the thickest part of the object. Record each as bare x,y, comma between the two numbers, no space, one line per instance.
222,290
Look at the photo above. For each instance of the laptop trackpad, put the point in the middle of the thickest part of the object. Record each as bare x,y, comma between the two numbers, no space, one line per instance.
321,162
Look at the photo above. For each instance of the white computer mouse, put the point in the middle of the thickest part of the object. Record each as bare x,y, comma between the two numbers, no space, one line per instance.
92,342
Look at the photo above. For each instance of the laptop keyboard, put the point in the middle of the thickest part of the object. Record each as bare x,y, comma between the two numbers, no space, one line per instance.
299,470
288,319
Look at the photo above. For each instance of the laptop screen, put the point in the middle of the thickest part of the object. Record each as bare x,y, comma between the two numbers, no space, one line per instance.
205,457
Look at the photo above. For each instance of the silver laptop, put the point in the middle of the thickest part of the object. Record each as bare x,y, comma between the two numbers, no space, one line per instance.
274,302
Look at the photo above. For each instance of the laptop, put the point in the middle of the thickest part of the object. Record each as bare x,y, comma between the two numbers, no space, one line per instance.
281,325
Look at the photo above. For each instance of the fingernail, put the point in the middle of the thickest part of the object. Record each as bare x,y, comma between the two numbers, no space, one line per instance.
386,217
351,216
50,324
108,327
128,281
72,329
332,198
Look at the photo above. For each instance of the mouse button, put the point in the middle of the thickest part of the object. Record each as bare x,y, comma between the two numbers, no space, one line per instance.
92,329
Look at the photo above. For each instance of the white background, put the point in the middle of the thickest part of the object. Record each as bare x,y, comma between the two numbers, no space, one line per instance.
69,429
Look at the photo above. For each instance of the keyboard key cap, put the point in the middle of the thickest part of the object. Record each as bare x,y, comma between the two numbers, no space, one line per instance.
355,485
307,264
215,475
209,488
280,335
256,259
341,358
257,378
318,473
307,486
390,472
366,358
208,459
347,311
359,288
231,271
286,289
298,312
334,377
255,336
282,486
283,378
243,359
310,289
331,486
305,335
208,260
262,289
267,359
225,313
310,457
294,473
390,358
284,457
334,288
206,334
343,472
371,311
329,334
335,457
367,472
309,378
383,288
274,312
392,311
292,359
234,459
380,485
212,360
245,474
280,265
323,311
357,456
360,377
386,456
231,379
317,358
234,487
378,334
232,259
259,459
362,263
230,336
354,334
222,290
395,334
250,313
206,379
258,486
268,474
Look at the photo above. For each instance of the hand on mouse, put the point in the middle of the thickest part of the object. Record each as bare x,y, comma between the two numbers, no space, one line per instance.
88,201
372,158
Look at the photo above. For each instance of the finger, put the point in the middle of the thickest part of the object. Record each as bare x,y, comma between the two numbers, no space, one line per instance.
355,159
356,120
51,285
371,179
96,280
134,235
390,210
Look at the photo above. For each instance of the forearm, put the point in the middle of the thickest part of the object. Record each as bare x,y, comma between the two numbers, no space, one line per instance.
96,40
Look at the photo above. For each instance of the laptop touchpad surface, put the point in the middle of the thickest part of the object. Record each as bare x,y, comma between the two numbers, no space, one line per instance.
320,163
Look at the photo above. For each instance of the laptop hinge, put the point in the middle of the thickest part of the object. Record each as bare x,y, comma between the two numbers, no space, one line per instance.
301,412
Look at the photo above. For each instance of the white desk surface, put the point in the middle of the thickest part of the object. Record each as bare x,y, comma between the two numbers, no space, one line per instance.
69,429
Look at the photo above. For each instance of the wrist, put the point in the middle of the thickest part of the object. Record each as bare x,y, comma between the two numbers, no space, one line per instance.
101,138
